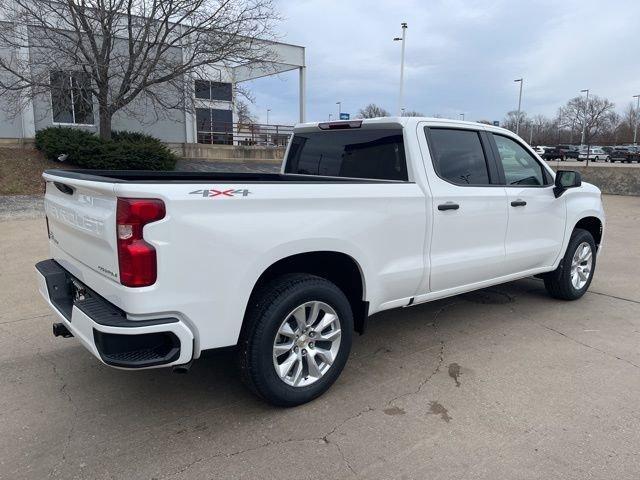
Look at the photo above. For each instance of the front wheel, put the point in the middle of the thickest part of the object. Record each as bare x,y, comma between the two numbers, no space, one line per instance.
573,276
297,339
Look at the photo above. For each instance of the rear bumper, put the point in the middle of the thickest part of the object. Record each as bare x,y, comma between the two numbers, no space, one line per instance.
105,330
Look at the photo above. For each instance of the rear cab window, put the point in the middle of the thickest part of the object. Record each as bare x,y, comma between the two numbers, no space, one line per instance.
364,153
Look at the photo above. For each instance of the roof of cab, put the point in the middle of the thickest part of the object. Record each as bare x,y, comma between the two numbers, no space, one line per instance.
388,122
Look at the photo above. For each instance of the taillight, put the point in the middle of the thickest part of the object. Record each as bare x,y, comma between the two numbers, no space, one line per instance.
136,258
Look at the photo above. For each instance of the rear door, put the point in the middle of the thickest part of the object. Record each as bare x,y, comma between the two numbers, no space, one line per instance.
535,231
469,208
82,219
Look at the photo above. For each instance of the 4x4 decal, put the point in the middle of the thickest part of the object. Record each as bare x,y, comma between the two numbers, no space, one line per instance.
212,192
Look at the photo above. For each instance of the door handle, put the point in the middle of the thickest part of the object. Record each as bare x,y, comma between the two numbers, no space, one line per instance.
448,206
518,203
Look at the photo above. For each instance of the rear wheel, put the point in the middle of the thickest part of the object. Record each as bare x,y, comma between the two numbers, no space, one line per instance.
573,276
297,340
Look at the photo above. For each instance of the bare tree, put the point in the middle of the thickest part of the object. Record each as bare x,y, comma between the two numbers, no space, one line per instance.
597,117
511,120
624,128
412,113
245,116
113,53
372,111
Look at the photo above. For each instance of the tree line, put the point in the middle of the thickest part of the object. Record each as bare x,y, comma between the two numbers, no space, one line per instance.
598,118
602,123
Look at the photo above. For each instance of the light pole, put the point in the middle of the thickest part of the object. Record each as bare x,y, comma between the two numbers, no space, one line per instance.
461,116
330,115
268,110
339,109
584,123
635,129
402,39
531,134
521,80
584,120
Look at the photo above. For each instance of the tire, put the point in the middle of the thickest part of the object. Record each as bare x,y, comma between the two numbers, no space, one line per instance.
269,309
559,283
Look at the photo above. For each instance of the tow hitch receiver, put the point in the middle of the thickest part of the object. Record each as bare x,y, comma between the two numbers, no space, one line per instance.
60,330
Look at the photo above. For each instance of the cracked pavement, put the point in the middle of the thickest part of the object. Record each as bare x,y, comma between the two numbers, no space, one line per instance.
501,383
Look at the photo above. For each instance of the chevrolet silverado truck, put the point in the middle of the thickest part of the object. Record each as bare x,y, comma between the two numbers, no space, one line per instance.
150,269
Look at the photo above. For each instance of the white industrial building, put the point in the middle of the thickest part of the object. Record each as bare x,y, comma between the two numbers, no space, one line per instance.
214,119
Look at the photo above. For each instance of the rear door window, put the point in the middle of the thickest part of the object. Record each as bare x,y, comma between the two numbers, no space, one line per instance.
357,153
458,156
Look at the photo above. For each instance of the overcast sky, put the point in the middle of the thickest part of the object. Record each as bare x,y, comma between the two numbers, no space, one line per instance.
461,56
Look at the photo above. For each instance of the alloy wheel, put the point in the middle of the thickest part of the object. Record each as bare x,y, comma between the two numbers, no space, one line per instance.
306,344
581,265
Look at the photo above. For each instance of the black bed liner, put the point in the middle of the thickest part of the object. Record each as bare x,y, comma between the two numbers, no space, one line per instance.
150,176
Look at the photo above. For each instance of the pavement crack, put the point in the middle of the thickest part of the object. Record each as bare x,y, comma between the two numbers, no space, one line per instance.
54,470
615,297
337,427
604,352
270,443
431,374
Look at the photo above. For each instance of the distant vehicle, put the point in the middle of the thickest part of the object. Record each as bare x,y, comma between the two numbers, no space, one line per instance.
607,150
568,151
540,149
551,153
626,154
594,154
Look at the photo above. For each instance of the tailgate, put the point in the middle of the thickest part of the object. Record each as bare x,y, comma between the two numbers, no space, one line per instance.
82,221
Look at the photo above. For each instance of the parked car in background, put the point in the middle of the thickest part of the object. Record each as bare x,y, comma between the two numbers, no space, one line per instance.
568,151
551,153
594,154
540,149
624,154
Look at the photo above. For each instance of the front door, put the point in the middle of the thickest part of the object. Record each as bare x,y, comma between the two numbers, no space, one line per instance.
537,218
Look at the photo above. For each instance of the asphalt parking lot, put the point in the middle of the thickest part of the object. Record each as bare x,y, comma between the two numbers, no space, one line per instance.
502,383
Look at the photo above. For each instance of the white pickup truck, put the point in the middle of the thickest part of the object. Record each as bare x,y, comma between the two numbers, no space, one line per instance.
150,269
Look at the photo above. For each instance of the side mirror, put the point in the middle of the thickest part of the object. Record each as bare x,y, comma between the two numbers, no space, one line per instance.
566,179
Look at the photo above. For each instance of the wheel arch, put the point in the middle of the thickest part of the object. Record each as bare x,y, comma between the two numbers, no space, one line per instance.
338,267
593,225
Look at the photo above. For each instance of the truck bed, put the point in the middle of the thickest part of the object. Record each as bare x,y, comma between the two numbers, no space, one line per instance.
149,176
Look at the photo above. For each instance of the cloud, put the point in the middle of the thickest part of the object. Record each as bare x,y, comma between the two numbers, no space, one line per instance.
462,56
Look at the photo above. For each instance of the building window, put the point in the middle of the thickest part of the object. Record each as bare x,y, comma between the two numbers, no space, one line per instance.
70,98
214,126
206,90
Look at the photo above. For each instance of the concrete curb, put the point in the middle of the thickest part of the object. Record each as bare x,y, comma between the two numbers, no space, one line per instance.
614,179
18,207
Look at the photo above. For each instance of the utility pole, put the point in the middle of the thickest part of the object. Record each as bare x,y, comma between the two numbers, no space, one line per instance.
521,80
635,130
268,110
402,39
